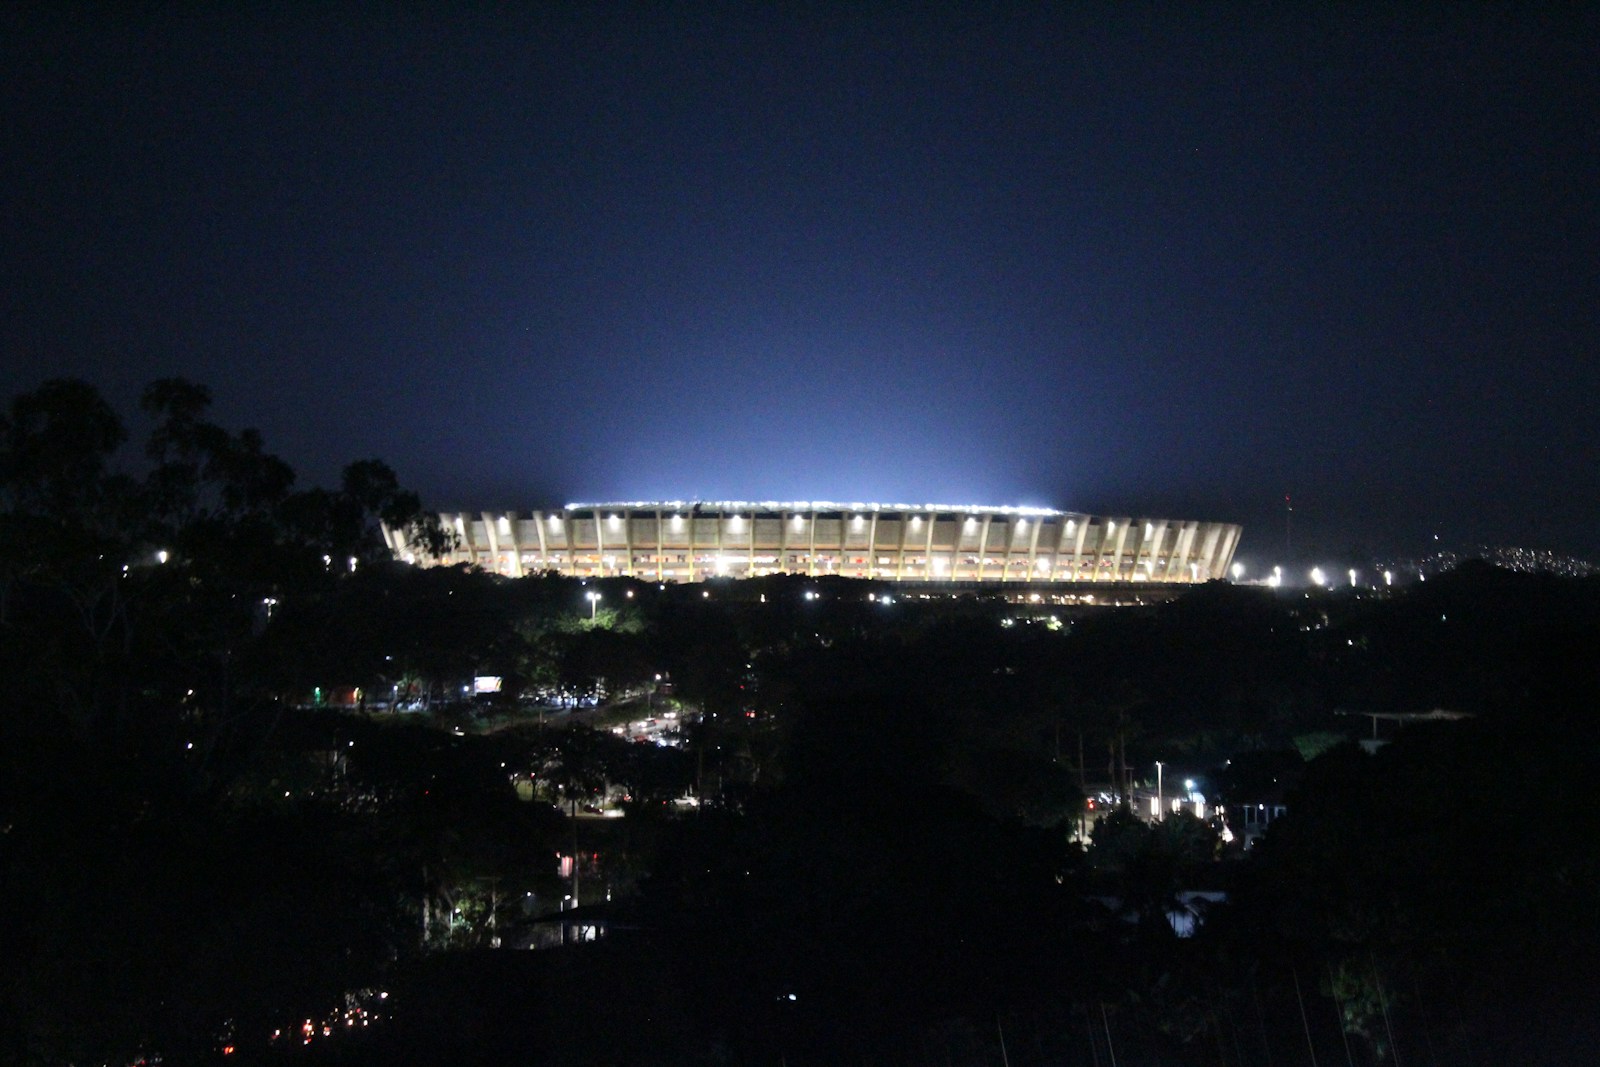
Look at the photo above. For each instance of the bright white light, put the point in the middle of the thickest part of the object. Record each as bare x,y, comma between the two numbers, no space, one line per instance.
162,557
1317,577
615,520
798,522
1111,527
1388,577
856,520
1238,571
1352,576
504,523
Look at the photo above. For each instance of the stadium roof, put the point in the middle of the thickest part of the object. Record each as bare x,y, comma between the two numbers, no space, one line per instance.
811,505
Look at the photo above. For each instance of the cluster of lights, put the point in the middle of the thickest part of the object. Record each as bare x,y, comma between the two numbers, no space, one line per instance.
360,1011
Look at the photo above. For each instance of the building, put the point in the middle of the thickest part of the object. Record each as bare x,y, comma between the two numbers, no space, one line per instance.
689,541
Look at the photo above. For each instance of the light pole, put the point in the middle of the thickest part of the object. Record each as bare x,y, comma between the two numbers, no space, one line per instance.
594,604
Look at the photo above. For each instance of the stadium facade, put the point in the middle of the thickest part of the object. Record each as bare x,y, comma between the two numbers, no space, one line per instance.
690,541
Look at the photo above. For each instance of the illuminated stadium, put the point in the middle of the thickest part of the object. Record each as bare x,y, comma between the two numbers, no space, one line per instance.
690,541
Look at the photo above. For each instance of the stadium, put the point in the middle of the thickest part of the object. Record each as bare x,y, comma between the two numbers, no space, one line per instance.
691,541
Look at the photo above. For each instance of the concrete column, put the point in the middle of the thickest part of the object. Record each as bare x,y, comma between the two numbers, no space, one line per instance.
627,534
900,560
1011,540
783,542
1229,547
510,535
983,544
1106,533
494,541
872,546
468,542
1122,544
661,546
694,565
1208,548
716,563
1033,550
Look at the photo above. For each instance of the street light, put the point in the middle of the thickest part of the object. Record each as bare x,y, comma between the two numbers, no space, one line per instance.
594,604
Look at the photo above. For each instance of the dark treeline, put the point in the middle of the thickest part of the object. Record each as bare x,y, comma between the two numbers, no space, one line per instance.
877,863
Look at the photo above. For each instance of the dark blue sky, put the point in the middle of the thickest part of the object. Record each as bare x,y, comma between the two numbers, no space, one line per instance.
1111,258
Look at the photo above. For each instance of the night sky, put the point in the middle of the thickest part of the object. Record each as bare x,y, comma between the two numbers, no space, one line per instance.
1106,259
